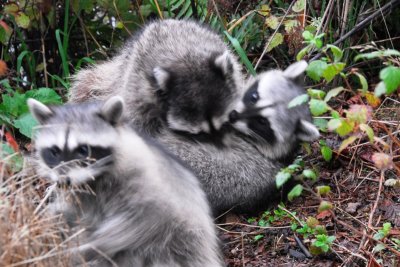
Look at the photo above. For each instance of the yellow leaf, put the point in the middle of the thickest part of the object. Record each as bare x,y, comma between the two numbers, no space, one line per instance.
347,142
265,10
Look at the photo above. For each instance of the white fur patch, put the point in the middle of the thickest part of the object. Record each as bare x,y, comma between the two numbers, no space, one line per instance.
80,175
161,77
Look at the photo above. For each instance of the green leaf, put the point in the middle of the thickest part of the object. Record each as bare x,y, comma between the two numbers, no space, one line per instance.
258,237
290,25
391,77
336,51
276,40
324,205
322,124
332,93
298,100
380,89
11,8
375,54
379,236
323,190
368,130
281,178
302,53
251,220
316,69
345,128
307,35
262,223
314,93
272,22
3,35
326,152
22,20
310,174
318,107
332,70
295,192
44,95
242,54
363,81
386,228
299,6
25,124
335,114
15,105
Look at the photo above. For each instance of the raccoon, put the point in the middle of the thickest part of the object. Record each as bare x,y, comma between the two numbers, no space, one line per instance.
264,114
177,73
138,204
263,138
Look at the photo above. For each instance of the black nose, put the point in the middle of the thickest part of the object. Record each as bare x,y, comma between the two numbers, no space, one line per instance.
233,116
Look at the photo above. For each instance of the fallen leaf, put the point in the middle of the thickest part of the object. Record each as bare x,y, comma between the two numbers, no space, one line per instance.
382,161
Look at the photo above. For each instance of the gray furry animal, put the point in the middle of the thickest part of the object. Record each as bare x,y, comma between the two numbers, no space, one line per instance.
239,174
139,205
174,72
264,114
263,138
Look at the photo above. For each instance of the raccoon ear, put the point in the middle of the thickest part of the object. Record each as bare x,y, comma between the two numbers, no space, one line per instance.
162,77
295,70
112,110
306,131
39,111
223,62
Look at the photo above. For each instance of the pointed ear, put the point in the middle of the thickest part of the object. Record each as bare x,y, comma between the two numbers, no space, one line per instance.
39,111
295,70
223,62
112,110
162,77
306,131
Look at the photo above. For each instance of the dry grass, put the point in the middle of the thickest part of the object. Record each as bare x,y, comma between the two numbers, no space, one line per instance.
28,236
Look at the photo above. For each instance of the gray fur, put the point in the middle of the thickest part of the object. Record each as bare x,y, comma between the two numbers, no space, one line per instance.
238,174
264,114
138,204
178,73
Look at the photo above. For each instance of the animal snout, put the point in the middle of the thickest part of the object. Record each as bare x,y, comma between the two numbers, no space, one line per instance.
233,116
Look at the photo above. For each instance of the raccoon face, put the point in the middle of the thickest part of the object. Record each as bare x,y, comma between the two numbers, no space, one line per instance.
74,142
263,112
198,98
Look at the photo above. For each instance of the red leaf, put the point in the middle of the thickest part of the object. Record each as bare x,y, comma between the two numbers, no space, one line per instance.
324,214
11,141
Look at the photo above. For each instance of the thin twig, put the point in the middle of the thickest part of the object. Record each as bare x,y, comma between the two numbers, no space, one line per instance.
386,9
371,215
272,36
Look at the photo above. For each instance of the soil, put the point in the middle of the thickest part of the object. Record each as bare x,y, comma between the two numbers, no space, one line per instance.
361,204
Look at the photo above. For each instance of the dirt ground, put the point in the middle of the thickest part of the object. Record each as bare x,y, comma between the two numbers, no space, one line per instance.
361,204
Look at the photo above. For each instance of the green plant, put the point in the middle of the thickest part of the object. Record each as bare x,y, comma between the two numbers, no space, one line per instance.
323,242
384,232
14,110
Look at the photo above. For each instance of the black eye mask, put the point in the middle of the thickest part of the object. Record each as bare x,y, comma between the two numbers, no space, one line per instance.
53,156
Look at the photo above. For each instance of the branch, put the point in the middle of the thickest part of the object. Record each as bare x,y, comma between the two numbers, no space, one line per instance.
386,9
